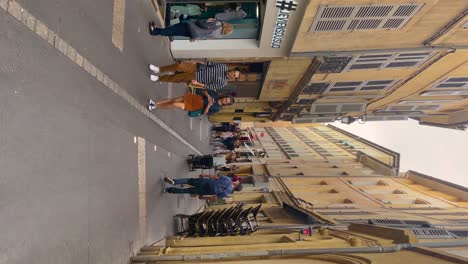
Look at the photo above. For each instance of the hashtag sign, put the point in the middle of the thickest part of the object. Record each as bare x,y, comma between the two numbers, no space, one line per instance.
286,5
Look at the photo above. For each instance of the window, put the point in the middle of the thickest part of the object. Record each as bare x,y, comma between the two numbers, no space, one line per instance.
315,88
338,108
399,223
363,96
313,120
426,102
345,213
360,86
412,107
445,92
429,233
305,101
365,17
388,60
387,118
333,64
454,83
245,28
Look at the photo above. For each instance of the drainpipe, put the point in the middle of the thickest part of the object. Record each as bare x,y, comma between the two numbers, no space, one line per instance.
295,252
446,28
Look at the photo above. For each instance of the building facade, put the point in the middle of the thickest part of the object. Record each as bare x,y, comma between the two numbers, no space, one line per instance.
346,191
319,61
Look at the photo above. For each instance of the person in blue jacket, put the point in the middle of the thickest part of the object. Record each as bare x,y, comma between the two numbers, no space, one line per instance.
207,187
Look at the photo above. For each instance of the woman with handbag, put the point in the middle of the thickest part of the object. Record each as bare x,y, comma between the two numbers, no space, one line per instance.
207,104
194,29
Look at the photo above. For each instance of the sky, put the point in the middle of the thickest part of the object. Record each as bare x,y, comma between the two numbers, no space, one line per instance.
438,152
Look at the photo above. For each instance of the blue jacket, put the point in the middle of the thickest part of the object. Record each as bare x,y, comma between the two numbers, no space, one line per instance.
222,187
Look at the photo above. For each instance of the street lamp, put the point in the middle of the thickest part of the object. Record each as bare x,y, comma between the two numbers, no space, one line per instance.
347,120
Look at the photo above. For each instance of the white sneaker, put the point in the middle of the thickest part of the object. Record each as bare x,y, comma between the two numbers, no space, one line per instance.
154,68
154,78
169,180
151,105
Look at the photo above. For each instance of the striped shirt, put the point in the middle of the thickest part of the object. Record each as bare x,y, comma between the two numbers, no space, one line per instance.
213,76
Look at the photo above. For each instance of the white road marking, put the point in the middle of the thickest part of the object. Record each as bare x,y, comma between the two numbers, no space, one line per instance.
155,148
142,188
118,24
191,123
135,140
169,90
16,10
201,128
168,154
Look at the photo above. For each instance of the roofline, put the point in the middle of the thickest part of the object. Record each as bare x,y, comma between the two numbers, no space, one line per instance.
450,184
377,146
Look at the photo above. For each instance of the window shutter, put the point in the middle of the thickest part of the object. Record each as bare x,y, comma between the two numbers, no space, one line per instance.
426,102
313,120
337,108
427,233
351,108
334,64
368,17
399,223
455,82
448,92
325,109
315,88
388,60
360,86
412,107
387,118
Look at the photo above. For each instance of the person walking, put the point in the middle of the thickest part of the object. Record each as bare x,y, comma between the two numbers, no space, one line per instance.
227,127
209,102
207,187
199,29
212,76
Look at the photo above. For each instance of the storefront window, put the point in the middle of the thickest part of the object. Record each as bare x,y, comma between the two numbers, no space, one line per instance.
251,82
243,15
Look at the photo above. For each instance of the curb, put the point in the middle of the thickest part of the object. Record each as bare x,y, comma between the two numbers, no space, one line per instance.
159,15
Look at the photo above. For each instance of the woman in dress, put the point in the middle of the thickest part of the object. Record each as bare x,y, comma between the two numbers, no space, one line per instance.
209,102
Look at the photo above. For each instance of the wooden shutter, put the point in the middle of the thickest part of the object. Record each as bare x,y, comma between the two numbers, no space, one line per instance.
366,17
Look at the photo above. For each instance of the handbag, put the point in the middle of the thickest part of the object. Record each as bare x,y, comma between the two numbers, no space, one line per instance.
195,113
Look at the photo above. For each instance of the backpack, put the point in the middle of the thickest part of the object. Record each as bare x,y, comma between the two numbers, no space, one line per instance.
196,112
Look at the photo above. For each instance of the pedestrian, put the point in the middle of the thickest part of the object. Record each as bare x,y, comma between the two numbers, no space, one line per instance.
231,143
208,161
207,187
209,103
227,127
225,135
229,168
209,75
199,29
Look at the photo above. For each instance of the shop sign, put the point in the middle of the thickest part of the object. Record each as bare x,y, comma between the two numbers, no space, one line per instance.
285,7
